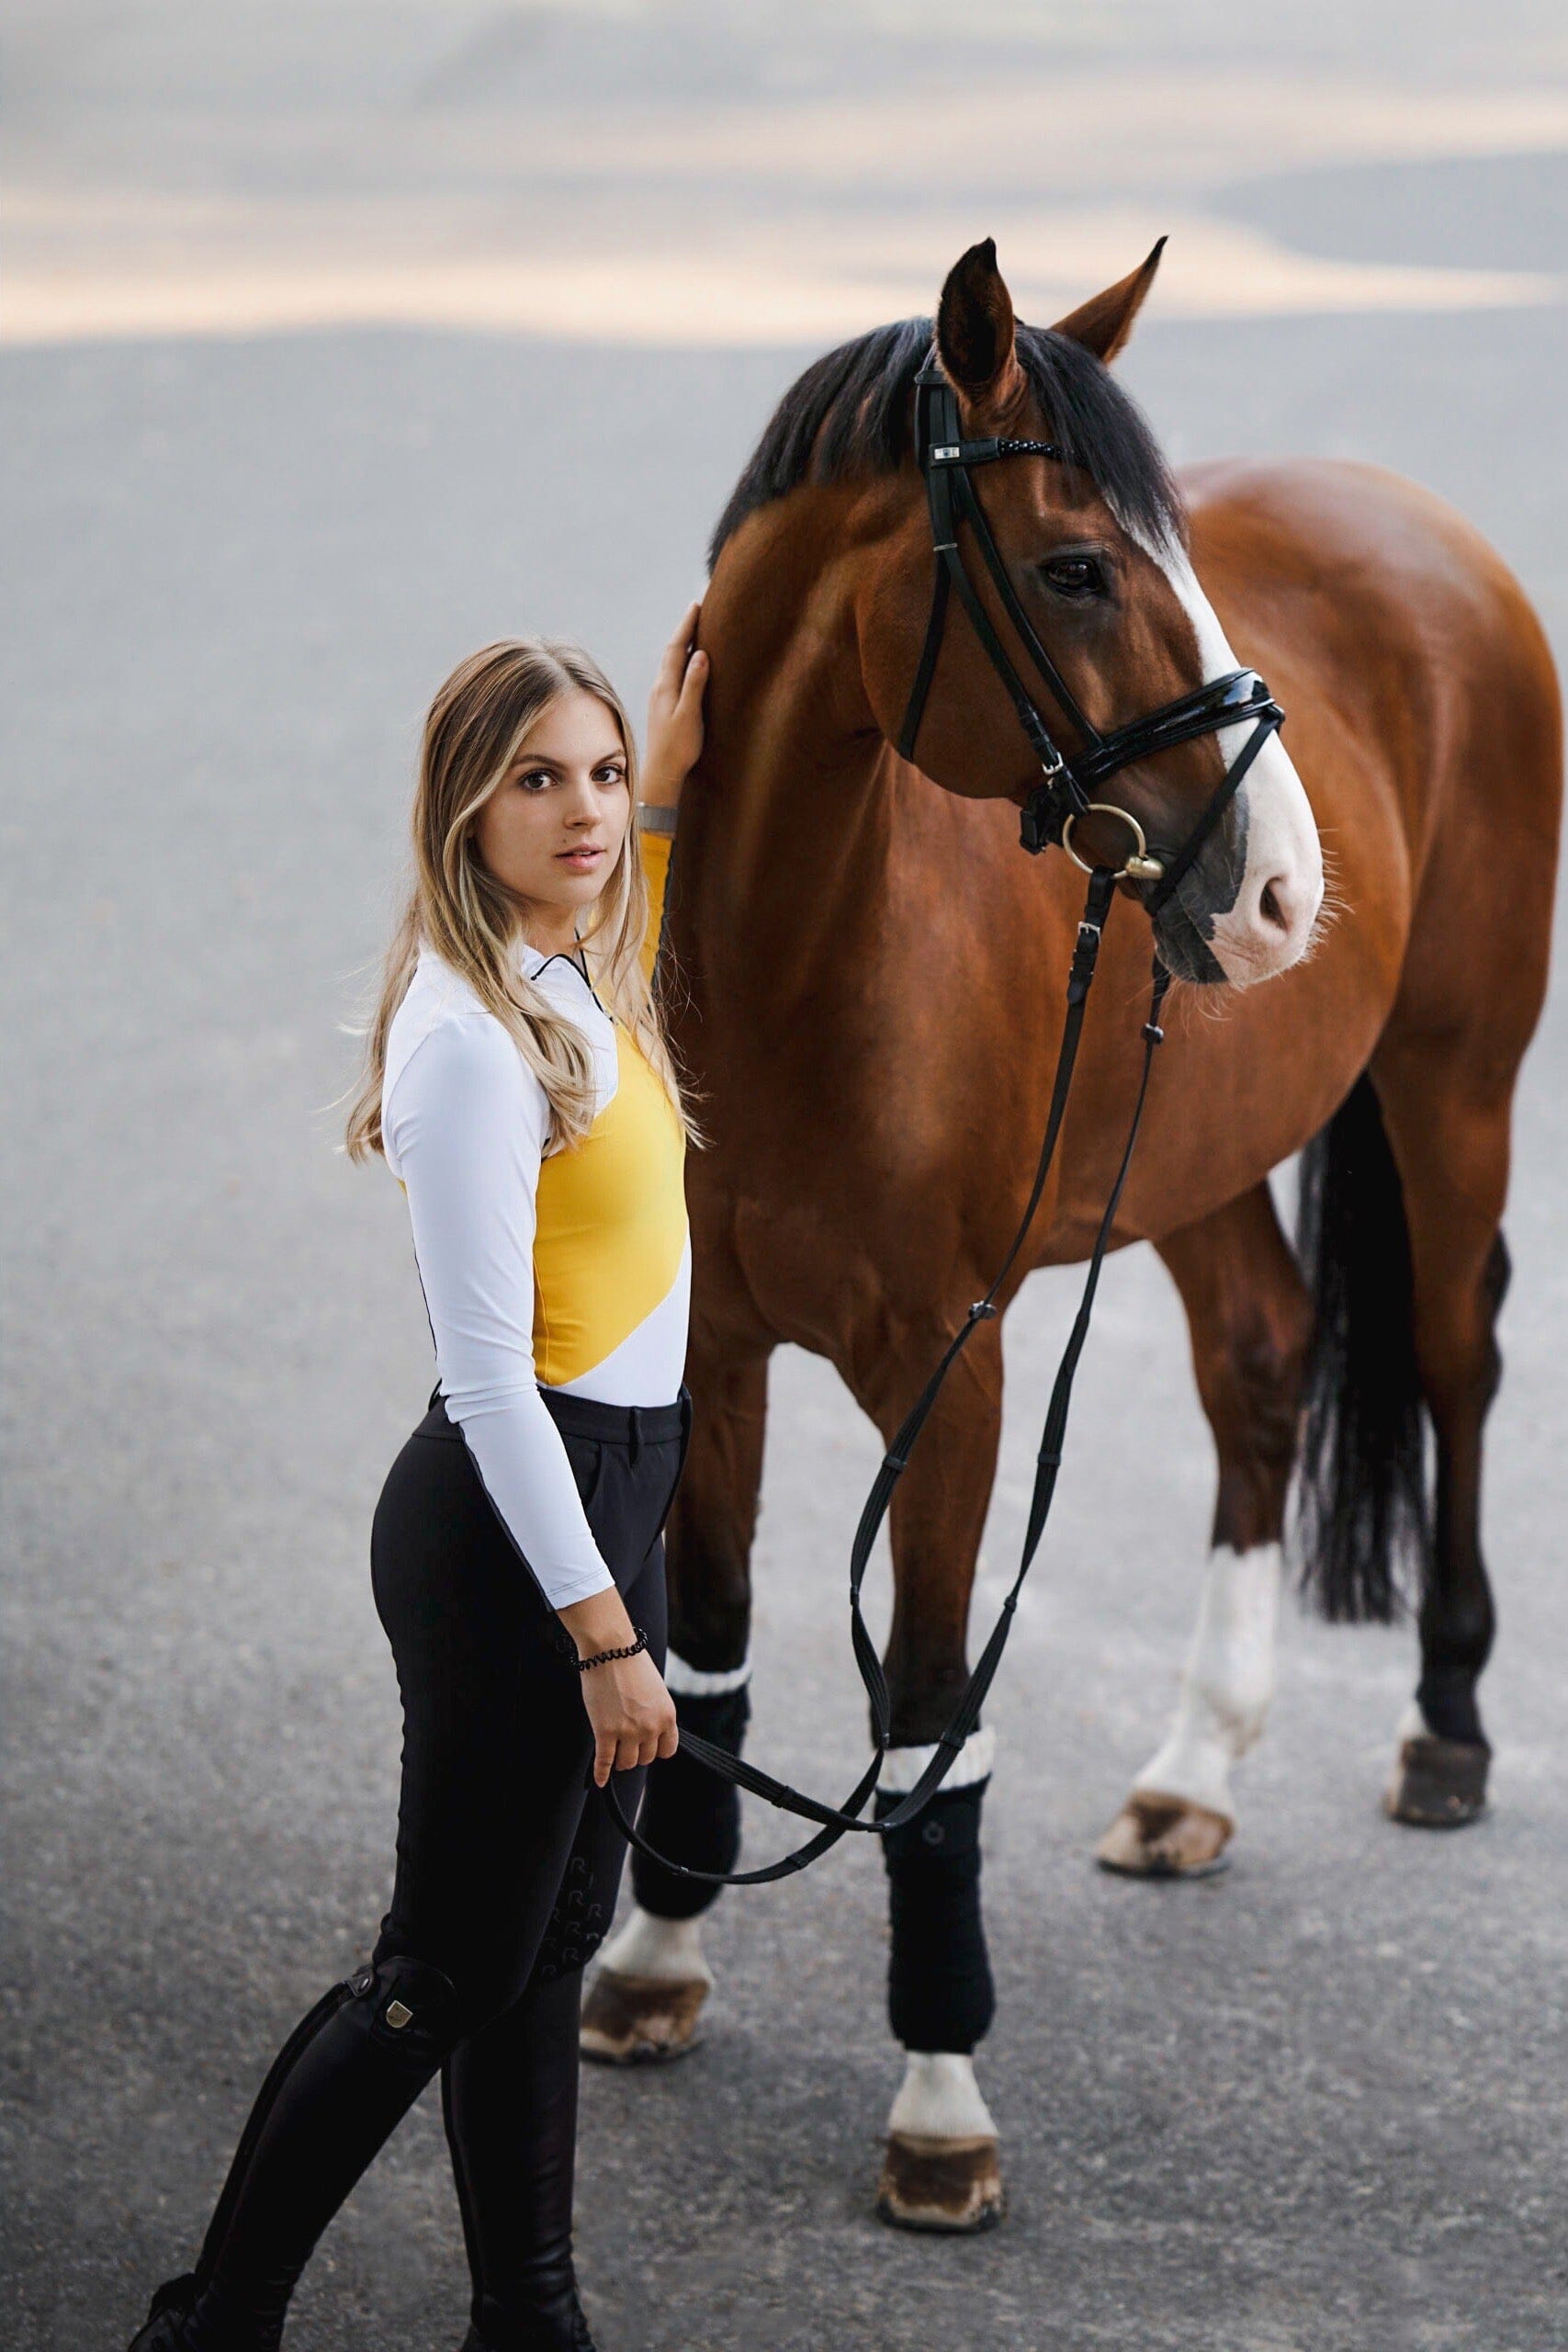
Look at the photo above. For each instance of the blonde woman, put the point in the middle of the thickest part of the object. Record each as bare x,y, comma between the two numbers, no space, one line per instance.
519,1088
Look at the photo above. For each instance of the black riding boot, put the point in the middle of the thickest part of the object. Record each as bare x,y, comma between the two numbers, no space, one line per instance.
509,2096
336,2091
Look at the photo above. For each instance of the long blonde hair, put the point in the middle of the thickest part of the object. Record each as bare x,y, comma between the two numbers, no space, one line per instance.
472,735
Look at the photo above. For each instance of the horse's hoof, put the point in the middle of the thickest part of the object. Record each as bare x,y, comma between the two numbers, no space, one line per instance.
640,2021
1437,1783
1158,1837
931,2184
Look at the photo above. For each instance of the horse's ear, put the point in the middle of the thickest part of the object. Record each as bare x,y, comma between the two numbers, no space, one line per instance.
1103,323
974,330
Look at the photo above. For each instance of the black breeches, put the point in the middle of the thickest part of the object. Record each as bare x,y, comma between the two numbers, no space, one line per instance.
508,1864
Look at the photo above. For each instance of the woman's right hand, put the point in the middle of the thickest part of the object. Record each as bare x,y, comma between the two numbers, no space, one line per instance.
632,1714
675,716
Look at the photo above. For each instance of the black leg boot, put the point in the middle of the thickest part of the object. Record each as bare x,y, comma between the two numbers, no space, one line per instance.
509,2096
336,2091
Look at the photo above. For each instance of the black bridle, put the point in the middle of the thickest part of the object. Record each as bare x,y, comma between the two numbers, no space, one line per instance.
1068,785
1063,796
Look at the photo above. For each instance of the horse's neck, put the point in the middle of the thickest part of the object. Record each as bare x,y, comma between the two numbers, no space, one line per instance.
787,834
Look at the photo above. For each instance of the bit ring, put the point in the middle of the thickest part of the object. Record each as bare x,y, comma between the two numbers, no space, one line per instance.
1139,866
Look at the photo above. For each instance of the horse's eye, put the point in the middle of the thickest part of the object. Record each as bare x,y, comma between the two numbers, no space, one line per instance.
1075,576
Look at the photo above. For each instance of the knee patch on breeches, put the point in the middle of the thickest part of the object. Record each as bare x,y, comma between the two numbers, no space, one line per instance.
940,1995
412,2008
689,1811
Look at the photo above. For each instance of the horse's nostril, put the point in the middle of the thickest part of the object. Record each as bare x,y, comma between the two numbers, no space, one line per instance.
1268,907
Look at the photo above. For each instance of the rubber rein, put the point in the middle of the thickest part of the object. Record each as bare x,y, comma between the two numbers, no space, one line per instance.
1061,796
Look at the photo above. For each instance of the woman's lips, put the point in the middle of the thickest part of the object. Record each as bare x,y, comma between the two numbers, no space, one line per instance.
579,857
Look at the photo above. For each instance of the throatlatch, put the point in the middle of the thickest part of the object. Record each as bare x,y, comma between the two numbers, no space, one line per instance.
1063,796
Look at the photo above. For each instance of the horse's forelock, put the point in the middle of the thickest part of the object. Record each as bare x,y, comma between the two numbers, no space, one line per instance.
850,412
1102,427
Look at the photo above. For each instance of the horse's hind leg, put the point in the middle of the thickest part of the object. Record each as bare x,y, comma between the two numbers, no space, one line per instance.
645,2001
1250,1318
1448,1131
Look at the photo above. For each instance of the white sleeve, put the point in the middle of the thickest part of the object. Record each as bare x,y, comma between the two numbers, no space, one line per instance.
466,1129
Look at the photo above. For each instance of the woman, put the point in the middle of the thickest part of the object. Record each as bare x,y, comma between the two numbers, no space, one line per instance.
520,1090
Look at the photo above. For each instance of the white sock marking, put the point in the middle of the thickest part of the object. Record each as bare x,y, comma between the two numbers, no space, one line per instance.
1226,1683
939,2099
1413,1724
667,1950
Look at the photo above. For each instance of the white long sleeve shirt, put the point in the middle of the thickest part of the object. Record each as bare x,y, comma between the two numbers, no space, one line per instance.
572,1268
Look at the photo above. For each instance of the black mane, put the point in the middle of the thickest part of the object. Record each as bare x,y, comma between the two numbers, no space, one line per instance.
852,412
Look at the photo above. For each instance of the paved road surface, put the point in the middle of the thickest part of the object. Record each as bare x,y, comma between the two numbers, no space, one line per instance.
1316,2106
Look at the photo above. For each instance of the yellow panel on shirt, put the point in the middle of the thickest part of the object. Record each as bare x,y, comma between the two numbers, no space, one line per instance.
612,1224
612,1210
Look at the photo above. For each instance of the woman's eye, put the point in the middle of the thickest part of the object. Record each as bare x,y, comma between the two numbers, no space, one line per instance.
535,780
1074,576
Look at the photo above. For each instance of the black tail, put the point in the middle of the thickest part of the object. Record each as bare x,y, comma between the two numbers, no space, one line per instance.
1363,1521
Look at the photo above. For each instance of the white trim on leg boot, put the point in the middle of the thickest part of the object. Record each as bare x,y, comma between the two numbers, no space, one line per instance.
902,1767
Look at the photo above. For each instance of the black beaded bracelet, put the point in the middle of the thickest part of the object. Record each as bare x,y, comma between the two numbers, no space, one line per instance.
602,1657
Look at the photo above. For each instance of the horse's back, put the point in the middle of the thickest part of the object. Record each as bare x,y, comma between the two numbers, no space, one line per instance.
1375,590
1356,541
1418,675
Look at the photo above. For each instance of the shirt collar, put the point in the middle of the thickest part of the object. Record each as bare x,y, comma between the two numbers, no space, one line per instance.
531,961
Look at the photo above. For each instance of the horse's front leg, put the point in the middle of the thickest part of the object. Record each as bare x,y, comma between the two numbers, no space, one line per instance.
652,1983
1250,1320
941,2169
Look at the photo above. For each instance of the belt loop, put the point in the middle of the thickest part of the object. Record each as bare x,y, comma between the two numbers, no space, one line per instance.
634,1414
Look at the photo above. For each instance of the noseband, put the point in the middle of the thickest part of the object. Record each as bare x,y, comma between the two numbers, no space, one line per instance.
1063,795
1068,784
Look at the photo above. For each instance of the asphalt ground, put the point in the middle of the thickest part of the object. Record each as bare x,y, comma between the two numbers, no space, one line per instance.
1317,2105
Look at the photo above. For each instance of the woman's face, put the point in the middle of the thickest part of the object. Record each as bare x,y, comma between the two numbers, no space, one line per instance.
552,829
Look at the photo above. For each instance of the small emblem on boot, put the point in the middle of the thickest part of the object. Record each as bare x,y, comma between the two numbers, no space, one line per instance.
398,2013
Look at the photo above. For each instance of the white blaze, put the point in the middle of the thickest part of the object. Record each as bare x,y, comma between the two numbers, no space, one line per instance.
1281,890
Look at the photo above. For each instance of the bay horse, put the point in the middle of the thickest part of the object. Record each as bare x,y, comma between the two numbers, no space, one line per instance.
863,975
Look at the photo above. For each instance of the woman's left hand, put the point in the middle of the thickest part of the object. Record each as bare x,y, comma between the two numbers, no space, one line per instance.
675,716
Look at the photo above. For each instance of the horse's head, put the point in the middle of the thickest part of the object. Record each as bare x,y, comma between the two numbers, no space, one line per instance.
1093,544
